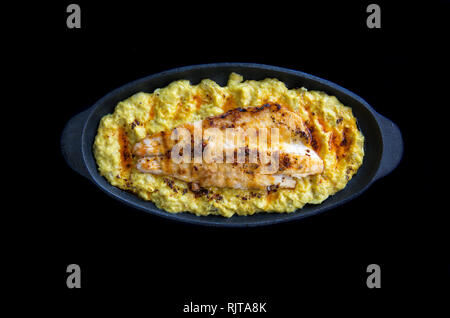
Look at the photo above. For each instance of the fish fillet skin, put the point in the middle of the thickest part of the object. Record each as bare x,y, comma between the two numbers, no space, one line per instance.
289,124
221,175
295,158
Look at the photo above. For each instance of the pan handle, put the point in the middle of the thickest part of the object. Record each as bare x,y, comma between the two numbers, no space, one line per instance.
71,143
392,146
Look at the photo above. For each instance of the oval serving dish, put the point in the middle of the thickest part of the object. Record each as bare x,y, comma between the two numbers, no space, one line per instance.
383,144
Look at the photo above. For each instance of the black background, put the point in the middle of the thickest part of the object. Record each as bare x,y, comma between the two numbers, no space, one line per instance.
133,260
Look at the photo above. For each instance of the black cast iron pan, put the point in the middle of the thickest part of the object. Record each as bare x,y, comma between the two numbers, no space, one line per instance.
383,141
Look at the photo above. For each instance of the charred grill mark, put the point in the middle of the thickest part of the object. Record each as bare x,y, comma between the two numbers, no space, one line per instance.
135,123
313,139
238,110
164,145
272,188
348,173
255,195
233,111
311,135
285,162
303,134
216,197
230,113
257,109
345,137
341,145
344,141
125,151
266,105
170,184
314,144
234,114
197,190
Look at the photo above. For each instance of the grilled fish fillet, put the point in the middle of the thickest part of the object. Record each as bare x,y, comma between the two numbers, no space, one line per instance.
295,159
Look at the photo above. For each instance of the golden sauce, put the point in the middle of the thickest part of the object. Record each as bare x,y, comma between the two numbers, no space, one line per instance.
152,113
341,144
229,104
198,101
272,196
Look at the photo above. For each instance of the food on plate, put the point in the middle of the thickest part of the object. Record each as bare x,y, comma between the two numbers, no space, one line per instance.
247,147
295,160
